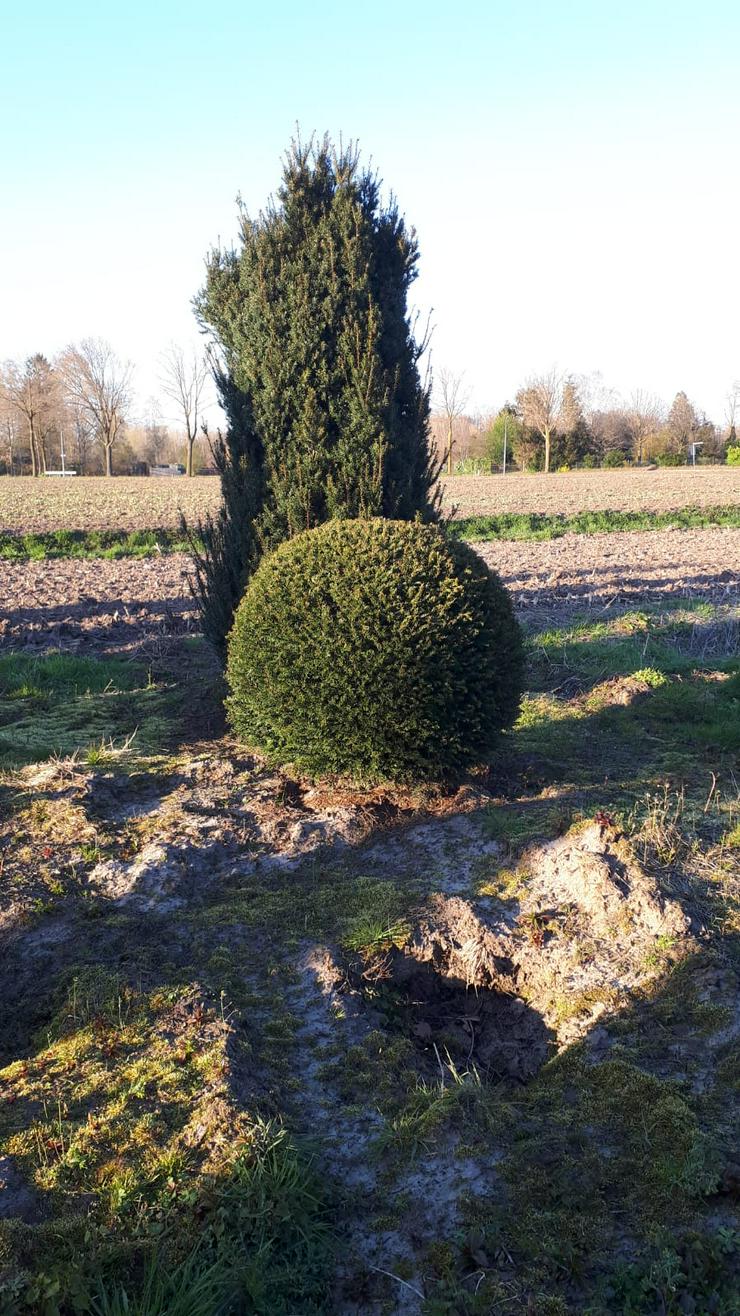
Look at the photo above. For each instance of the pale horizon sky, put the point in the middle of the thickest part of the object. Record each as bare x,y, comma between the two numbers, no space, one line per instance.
571,169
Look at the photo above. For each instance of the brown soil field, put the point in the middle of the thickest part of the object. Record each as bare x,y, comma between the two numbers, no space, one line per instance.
96,606
131,503
661,490
581,572
95,503
141,606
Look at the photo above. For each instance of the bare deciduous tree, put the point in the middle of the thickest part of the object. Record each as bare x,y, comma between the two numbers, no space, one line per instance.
10,426
570,415
100,385
33,392
540,404
79,426
732,409
184,379
452,396
611,433
645,415
596,395
156,435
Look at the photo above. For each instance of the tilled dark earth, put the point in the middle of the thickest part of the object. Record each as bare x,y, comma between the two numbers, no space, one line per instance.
95,605
597,571
134,604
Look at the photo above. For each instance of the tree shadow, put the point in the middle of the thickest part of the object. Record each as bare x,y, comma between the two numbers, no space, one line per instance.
101,627
628,1146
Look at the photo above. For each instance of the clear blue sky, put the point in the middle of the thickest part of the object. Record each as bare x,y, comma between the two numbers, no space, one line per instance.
572,168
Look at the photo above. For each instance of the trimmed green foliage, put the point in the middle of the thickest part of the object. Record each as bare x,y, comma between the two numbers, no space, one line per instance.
327,413
374,649
733,455
542,525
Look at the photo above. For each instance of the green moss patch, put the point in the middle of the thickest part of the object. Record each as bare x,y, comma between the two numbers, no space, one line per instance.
127,1108
60,705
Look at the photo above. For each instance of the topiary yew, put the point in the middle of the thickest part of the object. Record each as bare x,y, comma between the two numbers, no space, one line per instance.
374,649
328,415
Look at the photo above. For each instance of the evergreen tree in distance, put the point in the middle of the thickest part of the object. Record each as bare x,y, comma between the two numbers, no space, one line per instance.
327,415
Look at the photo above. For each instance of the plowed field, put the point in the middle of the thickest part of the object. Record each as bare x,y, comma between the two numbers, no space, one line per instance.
130,503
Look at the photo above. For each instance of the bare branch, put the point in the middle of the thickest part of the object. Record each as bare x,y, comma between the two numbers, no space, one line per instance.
184,379
540,403
452,395
100,386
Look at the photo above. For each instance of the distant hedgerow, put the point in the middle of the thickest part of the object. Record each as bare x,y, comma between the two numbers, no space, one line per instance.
374,649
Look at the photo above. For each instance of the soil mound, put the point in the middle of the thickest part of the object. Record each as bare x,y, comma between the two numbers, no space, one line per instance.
495,985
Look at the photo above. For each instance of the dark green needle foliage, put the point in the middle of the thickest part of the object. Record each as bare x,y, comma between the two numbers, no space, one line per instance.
377,650
327,413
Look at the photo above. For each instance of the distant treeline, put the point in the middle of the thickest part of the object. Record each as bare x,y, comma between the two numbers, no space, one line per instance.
75,414
557,422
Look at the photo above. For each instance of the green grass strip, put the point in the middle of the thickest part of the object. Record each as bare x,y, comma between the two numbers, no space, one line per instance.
507,525
91,544
539,525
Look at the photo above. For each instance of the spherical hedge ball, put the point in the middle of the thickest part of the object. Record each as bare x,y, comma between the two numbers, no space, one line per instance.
376,650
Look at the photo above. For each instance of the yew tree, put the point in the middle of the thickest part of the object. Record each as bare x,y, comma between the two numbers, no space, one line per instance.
318,371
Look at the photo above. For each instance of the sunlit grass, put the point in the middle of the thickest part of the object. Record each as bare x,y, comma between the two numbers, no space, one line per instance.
545,525
61,704
91,544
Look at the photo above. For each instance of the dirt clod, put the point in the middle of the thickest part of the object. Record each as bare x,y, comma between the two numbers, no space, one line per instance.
607,884
496,988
